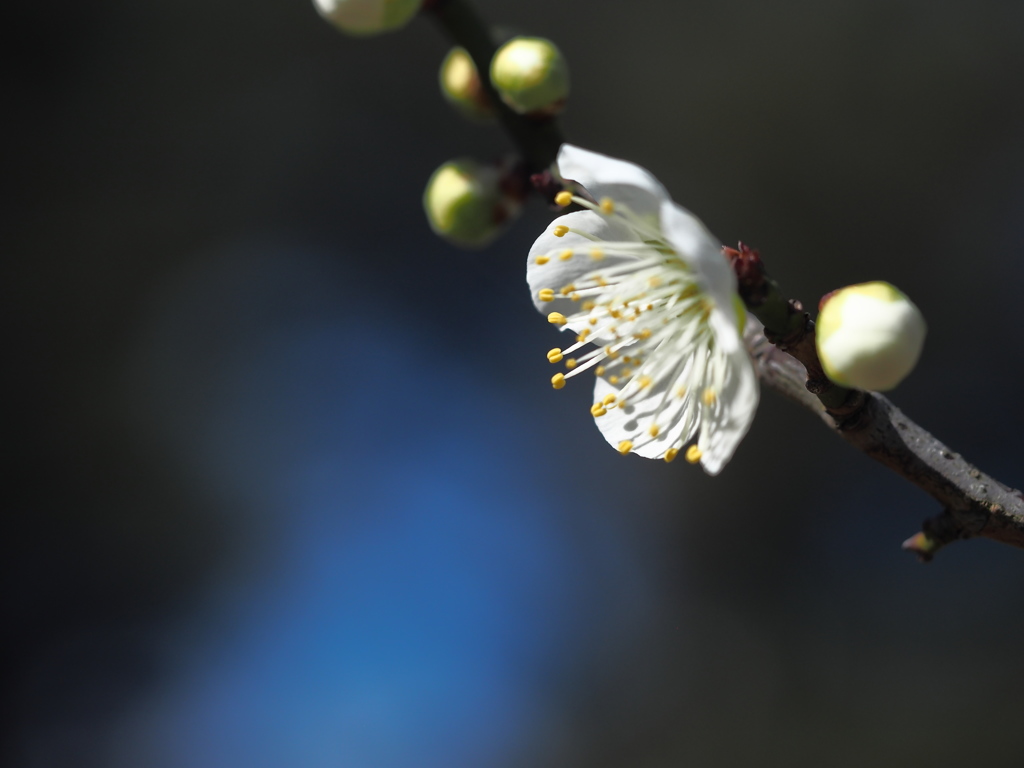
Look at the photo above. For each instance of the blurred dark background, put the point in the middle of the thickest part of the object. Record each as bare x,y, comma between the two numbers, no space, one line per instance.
288,485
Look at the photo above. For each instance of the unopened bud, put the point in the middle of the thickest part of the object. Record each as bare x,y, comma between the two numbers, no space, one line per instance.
461,86
469,203
869,336
367,17
531,75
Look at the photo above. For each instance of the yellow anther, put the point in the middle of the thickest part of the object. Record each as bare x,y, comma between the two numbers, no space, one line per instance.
597,410
681,392
709,397
610,354
583,335
570,363
644,382
625,447
599,371
546,294
693,454
567,289
653,430
542,259
592,320
566,254
670,455
563,198
596,254
574,296
607,206
654,282
644,334
555,355
613,379
608,399
558,380
557,318
586,306
560,231
600,281
627,372
615,313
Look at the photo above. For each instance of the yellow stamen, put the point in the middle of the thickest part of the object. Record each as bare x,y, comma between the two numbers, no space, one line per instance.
653,430
625,447
599,371
644,382
583,335
557,318
597,410
681,393
709,397
644,334
570,363
566,254
563,198
654,282
560,231
555,355
596,254
567,289
546,294
613,379
608,399
558,380
607,206
592,320
671,454
542,259
586,306
693,454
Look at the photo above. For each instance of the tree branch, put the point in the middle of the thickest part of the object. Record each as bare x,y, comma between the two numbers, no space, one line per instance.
973,503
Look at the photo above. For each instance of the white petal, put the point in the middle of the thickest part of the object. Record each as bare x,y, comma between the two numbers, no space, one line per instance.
737,400
702,252
675,418
556,273
603,176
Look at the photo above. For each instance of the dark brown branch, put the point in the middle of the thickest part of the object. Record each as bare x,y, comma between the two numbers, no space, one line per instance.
973,503
537,138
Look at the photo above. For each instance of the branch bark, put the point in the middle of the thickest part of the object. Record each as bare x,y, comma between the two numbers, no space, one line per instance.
973,503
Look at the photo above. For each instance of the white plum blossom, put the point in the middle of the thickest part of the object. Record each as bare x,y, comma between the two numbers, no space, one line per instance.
646,288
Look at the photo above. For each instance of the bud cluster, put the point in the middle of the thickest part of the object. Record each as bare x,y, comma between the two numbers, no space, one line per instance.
469,202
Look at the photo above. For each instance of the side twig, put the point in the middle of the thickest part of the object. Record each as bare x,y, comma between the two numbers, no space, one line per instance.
973,503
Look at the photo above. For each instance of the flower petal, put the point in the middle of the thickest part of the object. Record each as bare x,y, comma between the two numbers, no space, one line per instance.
674,416
737,401
625,183
702,252
554,273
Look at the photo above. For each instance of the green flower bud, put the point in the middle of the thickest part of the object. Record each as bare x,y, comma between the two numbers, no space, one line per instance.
869,336
461,86
469,203
367,17
531,75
